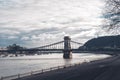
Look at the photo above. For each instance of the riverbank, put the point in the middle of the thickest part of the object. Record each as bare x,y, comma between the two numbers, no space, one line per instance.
106,69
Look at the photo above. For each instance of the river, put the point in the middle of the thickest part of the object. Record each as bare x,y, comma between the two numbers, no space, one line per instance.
22,64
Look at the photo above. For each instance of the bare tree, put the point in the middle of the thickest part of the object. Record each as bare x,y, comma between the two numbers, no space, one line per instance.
112,15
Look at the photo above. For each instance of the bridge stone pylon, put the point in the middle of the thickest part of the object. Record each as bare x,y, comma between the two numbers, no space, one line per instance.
67,48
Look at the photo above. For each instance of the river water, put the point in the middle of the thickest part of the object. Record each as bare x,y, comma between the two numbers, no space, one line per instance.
22,64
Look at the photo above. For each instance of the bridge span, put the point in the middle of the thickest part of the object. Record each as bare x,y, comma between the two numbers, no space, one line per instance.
67,46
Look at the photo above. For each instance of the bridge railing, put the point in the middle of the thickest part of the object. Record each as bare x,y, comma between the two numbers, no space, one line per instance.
36,72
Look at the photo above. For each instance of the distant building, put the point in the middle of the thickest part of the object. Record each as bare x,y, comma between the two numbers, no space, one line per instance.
3,48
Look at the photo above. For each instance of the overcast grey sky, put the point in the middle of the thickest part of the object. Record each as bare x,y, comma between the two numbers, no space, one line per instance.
34,22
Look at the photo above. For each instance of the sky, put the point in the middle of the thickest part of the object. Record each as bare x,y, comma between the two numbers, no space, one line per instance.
32,23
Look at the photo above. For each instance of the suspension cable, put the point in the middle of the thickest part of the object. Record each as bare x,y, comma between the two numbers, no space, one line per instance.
48,45
76,42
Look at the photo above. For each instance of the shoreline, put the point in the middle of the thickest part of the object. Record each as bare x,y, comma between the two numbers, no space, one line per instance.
41,62
77,72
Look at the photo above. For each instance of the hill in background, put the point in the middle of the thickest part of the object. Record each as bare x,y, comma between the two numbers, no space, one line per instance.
102,43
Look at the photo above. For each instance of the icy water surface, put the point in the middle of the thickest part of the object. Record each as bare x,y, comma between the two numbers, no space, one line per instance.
15,65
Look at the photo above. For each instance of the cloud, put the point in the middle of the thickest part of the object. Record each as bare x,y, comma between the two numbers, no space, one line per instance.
30,22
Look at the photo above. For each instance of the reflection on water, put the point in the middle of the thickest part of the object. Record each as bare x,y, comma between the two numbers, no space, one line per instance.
67,61
15,65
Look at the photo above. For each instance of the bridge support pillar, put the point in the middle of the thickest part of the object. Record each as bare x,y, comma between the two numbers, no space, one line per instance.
67,48
67,55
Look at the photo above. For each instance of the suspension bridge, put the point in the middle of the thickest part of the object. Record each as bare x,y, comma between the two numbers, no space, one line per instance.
67,47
